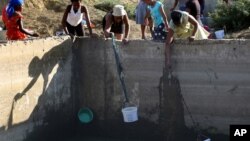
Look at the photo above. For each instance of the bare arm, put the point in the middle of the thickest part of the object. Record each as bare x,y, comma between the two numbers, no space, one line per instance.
85,10
127,26
108,25
20,23
175,4
146,17
194,22
170,37
65,18
164,17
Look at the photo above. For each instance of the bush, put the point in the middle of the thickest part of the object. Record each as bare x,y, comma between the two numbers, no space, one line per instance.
130,8
108,6
105,6
233,17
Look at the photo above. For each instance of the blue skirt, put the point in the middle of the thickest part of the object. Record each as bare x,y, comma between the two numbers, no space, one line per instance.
159,33
140,13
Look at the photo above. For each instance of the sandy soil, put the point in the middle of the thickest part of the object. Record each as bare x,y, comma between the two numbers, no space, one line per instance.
46,20
45,17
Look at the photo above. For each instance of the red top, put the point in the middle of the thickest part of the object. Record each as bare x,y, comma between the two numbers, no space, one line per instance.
13,29
4,15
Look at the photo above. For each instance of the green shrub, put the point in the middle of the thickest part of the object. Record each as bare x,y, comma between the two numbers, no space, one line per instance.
109,4
233,17
105,6
130,8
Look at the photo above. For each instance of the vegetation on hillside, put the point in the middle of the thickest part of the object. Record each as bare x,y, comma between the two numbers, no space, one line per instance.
47,14
233,17
107,5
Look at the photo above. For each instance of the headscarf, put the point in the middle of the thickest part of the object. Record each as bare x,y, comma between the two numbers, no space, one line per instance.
11,6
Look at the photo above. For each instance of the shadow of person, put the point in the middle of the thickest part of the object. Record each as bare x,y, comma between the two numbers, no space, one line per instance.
43,66
172,108
34,71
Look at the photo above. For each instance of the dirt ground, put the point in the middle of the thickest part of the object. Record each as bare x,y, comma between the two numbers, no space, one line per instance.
45,17
46,20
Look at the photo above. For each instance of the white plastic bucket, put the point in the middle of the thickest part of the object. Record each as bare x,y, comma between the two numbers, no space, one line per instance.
130,114
219,34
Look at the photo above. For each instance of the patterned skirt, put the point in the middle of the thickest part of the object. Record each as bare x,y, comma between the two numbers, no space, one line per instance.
159,33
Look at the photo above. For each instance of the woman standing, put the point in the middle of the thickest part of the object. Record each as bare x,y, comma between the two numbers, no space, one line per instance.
156,11
72,19
141,10
181,3
193,8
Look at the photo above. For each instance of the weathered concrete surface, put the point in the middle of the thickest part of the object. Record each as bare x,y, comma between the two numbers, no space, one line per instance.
35,88
43,85
212,76
143,67
101,91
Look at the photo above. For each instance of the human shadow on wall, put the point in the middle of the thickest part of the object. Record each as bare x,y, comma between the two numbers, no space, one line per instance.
172,121
37,67
34,72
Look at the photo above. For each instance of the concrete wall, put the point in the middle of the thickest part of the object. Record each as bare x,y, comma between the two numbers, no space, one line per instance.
35,94
43,85
100,89
212,77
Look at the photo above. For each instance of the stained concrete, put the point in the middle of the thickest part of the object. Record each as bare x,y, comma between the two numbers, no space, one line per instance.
214,79
211,77
45,82
35,86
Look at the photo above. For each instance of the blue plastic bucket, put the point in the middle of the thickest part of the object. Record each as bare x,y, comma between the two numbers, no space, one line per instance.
85,115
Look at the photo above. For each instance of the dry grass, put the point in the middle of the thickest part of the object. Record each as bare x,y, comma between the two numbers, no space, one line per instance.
44,18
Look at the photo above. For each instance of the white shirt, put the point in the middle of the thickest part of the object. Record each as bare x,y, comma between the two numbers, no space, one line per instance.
74,18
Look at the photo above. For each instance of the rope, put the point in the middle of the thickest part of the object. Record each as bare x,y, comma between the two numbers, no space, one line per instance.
194,122
190,114
119,68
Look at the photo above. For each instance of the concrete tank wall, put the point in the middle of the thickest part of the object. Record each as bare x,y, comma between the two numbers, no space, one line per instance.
35,94
214,78
211,75
43,85
100,89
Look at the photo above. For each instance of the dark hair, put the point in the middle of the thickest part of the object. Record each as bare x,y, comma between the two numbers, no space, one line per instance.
75,0
176,17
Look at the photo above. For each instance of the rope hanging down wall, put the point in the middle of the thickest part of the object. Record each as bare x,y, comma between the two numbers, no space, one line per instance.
119,68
